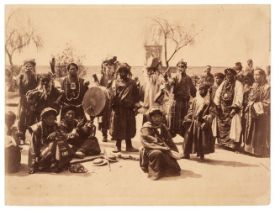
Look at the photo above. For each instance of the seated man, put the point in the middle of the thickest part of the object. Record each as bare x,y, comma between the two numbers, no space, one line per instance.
48,150
12,150
79,134
159,153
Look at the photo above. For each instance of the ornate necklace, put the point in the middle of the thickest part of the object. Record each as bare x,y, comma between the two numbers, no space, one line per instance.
68,81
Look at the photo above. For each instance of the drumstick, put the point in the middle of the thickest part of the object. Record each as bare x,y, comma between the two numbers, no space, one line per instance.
95,79
105,155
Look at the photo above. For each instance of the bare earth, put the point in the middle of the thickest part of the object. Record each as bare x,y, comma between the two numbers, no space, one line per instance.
224,178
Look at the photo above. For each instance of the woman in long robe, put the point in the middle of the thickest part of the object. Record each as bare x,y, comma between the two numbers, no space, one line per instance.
229,100
257,116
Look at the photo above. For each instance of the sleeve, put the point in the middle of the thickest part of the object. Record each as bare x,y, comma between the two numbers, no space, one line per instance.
148,141
169,140
190,111
193,89
34,150
217,96
129,97
266,99
238,96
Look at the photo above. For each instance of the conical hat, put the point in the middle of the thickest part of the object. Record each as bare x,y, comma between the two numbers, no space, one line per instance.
94,100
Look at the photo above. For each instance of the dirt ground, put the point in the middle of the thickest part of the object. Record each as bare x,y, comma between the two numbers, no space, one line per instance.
224,178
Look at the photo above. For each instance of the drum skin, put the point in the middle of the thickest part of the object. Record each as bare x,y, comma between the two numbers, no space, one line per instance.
95,100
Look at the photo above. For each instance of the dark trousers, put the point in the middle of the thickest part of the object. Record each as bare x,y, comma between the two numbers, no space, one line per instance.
89,146
127,141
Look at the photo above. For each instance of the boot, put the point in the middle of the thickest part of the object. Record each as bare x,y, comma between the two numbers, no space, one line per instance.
129,146
104,139
118,146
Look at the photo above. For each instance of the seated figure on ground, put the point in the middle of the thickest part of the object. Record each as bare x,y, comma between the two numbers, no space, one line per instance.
12,150
159,154
48,152
80,135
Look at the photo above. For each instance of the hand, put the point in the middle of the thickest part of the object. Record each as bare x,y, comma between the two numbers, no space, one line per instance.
31,171
203,125
232,113
87,83
21,77
52,64
52,136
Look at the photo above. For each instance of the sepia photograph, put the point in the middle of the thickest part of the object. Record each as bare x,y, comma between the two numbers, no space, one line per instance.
133,105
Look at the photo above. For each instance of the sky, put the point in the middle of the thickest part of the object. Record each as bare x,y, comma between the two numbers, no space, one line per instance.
228,33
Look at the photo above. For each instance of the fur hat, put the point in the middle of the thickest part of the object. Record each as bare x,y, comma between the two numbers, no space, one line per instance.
31,61
181,63
47,111
231,70
124,67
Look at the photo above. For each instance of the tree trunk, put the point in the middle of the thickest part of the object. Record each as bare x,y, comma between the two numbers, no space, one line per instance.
10,59
165,52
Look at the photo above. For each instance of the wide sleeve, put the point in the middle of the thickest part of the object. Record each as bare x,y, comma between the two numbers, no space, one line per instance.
130,96
148,140
238,95
34,149
266,99
193,89
169,140
217,96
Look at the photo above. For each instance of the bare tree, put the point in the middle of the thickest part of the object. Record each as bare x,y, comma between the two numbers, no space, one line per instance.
173,37
20,33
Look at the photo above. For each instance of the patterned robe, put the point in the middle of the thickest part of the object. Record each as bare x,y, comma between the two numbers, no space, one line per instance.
229,96
73,97
257,126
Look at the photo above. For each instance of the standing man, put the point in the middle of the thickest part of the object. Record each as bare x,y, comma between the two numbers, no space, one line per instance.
45,95
208,77
249,68
27,81
229,101
108,71
153,85
123,124
74,89
182,88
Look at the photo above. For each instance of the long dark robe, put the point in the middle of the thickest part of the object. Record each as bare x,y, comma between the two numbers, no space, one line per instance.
73,97
199,139
104,124
85,141
123,123
257,127
182,89
154,160
38,102
26,82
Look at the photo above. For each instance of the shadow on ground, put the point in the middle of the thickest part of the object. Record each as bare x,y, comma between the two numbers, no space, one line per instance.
184,174
224,163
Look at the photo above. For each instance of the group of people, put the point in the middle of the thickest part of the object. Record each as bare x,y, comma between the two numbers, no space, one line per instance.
232,107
